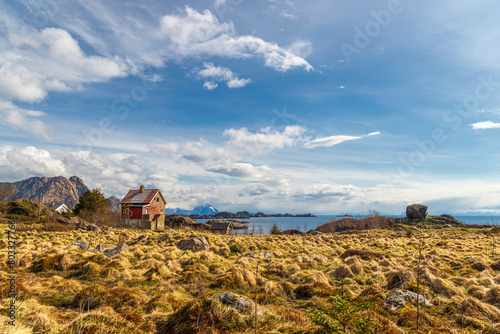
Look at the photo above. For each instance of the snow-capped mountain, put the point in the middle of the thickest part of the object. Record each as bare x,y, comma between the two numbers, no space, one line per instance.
201,210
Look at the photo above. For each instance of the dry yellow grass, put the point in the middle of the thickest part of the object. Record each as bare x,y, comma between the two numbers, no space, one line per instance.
148,286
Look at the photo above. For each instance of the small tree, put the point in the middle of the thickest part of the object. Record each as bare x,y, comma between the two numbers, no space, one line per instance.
275,229
92,203
341,314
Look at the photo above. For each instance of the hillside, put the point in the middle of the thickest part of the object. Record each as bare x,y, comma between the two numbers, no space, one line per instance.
50,190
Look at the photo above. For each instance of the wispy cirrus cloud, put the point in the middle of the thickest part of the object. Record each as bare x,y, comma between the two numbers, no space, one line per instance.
485,125
335,140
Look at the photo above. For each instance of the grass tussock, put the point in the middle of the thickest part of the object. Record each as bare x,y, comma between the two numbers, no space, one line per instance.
155,286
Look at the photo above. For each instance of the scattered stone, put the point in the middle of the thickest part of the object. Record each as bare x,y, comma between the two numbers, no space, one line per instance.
194,244
399,229
414,228
142,238
397,299
120,248
94,227
164,237
416,211
314,232
82,244
253,255
105,247
240,303
267,254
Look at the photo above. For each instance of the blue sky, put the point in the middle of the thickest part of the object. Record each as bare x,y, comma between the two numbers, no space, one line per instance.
267,105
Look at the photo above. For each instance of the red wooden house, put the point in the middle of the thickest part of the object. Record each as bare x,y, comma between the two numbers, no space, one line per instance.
144,208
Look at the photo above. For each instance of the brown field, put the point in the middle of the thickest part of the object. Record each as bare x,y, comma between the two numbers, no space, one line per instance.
157,288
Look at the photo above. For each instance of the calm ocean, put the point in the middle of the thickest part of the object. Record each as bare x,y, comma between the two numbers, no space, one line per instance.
264,224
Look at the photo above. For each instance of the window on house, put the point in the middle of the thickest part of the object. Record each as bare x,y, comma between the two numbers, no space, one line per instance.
147,210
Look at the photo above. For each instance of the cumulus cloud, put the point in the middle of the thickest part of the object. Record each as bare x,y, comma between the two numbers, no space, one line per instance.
23,119
27,162
267,139
335,140
215,74
485,125
195,34
36,62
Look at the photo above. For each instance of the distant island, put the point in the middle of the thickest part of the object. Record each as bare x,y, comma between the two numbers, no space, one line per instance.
245,215
208,211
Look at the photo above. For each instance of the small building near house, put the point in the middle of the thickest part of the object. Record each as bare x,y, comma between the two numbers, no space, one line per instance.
60,208
144,208
222,228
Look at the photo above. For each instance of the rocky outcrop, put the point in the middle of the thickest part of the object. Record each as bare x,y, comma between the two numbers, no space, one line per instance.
22,207
348,224
175,221
195,244
397,299
237,225
416,212
50,190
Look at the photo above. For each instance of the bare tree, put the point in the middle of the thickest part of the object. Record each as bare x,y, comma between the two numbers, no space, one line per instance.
7,190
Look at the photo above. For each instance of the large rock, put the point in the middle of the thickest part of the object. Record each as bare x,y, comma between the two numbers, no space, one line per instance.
105,247
120,248
195,244
397,299
416,212
82,244
240,303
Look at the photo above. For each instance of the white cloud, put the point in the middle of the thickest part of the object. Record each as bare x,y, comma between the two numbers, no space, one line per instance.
244,171
301,48
325,192
196,34
485,125
210,85
287,14
267,139
27,162
36,62
198,152
335,140
217,74
22,119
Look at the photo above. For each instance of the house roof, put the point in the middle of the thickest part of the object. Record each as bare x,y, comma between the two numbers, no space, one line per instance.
57,205
135,197
221,226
